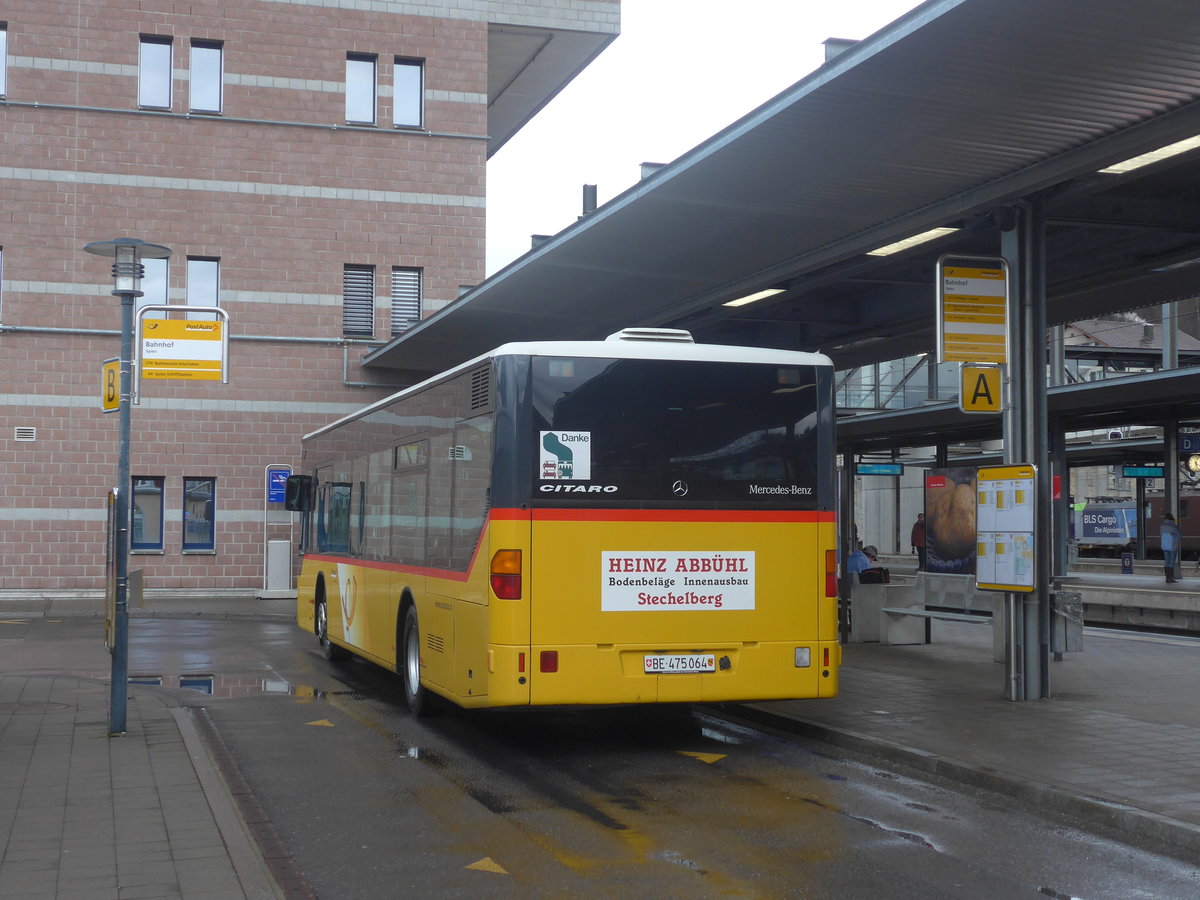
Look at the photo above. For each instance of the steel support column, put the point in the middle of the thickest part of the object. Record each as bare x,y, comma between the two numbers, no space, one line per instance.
1025,440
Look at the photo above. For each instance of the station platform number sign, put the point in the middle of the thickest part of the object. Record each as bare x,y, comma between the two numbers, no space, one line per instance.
110,385
980,388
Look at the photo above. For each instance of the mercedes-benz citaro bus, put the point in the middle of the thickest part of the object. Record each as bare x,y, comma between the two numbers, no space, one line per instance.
637,520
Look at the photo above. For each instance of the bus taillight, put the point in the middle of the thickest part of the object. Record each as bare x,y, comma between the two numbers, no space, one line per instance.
831,579
548,661
506,574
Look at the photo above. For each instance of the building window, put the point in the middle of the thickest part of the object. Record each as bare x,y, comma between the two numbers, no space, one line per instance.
199,508
360,88
206,76
408,93
358,300
154,72
3,59
406,298
154,283
146,519
203,285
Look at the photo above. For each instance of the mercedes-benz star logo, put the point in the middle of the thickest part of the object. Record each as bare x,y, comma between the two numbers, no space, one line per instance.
679,488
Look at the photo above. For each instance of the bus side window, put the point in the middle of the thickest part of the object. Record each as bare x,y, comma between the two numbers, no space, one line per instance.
408,516
440,513
410,477
319,517
333,518
472,455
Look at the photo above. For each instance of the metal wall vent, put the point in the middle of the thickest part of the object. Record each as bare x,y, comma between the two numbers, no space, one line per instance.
25,433
481,388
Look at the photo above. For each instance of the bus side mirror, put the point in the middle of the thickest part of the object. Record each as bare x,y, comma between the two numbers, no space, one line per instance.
298,494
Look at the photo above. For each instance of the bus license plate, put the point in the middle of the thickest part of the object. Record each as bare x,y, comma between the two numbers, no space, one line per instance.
675,663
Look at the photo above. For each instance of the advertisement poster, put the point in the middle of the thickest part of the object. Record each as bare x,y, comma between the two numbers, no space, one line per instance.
950,520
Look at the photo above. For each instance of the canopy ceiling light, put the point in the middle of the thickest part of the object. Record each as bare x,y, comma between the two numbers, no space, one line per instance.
750,298
1147,159
916,240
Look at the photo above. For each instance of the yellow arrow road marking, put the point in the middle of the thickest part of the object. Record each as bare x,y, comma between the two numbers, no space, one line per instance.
709,758
324,723
487,864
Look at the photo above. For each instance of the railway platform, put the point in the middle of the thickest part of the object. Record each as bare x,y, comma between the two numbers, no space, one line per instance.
1142,598
1114,749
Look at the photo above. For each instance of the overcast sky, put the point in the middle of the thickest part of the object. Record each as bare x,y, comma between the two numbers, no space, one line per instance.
680,71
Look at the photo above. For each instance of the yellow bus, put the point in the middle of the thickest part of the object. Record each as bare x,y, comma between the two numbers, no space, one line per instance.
643,519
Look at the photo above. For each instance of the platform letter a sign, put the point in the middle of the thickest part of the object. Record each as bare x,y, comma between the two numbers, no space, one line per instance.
983,394
979,389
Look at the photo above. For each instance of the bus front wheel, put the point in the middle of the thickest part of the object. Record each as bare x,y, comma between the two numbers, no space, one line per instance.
332,651
420,701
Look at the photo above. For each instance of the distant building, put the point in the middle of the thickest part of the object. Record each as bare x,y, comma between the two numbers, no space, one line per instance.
317,167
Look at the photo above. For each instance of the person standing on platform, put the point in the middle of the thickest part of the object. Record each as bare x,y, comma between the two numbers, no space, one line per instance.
1171,539
918,541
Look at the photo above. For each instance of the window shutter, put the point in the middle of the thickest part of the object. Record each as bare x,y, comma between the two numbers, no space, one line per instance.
358,300
406,299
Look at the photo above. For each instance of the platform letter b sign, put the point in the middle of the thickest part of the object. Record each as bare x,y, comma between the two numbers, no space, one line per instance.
110,385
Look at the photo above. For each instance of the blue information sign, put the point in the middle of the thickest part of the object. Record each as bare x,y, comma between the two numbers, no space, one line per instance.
879,469
1142,471
277,484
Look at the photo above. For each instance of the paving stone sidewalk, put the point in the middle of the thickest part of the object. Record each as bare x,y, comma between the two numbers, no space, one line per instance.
88,816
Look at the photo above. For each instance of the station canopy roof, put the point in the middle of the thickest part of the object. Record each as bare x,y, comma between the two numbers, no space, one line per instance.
945,118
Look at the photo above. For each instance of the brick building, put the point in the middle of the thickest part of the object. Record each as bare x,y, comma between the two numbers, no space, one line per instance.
317,168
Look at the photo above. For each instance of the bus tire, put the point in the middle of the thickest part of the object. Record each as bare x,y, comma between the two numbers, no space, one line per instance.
421,701
332,651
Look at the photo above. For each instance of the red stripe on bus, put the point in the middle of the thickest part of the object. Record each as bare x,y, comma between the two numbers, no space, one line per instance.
447,574
681,515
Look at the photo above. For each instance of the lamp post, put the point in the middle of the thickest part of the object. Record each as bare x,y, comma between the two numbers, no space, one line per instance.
127,254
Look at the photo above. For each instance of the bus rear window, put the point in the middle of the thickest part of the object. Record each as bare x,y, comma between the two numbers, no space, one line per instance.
654,431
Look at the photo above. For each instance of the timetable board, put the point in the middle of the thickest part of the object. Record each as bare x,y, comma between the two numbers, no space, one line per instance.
1005,517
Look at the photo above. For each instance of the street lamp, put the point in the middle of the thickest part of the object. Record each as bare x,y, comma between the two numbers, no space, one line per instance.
127,254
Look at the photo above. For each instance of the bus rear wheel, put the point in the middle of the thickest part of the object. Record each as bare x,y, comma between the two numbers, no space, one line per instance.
421,702
332,651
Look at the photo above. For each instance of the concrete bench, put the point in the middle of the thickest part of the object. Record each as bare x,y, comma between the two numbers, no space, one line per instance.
892,632
909,621
866,600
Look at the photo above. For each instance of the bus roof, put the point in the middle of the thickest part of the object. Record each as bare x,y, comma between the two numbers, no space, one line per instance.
612,348
651,349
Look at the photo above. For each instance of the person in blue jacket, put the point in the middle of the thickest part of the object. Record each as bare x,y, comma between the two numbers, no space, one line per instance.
861,559
1171,539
